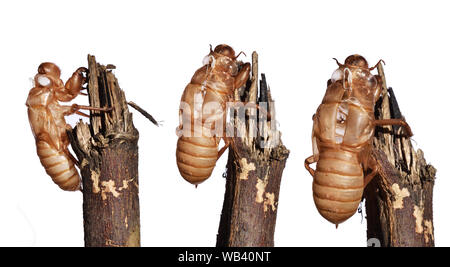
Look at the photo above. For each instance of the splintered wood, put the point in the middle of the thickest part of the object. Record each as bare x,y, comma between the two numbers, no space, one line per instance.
254,169
399,201
108,152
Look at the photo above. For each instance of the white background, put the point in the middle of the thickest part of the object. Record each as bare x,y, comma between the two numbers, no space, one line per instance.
157,47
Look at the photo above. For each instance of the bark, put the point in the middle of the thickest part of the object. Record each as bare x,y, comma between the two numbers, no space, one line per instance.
108,152
399,201
255,165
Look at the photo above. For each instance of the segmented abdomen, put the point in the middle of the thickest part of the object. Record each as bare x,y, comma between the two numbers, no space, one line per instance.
196,158
338,184
59,166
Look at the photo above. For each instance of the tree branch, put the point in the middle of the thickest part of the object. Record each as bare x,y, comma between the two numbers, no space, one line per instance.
254,169
108,152
399,201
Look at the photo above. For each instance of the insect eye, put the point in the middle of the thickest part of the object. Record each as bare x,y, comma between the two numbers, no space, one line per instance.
43,81
337,75
373,82
233,69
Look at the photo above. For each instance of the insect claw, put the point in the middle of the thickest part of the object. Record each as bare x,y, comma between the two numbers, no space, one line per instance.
82,69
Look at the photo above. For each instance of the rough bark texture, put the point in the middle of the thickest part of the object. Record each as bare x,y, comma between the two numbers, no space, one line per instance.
253,174
399,201
108,152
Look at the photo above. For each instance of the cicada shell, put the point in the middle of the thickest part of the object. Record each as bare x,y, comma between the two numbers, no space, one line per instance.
47,121
46,117
203,112
343,128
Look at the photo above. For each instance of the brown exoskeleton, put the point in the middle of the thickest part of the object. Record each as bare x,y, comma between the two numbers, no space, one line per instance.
46,117
342,135
211,87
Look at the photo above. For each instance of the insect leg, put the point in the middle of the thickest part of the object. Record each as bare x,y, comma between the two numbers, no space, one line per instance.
370,176
225,146
400,122
75,83
81,114
372,164
308,161
242,77
68,110
77,107
72,157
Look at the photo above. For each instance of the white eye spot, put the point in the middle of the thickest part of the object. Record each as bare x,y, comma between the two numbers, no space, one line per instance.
209,60
43,81
337,75
206,60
